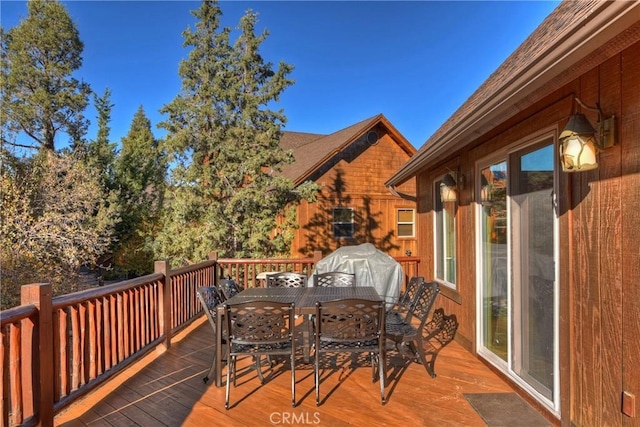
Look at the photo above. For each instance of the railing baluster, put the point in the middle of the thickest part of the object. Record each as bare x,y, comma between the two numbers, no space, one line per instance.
84,348
4,380
75,349
126,325
121,326
106,308
98,339
62,353
15,367
93,370
113,326
135,319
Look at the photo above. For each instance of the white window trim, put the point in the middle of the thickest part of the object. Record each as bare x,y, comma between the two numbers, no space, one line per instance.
436,196
413,222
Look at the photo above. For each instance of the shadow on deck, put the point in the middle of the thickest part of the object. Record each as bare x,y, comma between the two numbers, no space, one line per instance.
167,389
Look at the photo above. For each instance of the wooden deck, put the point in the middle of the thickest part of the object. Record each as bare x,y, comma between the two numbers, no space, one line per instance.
167,389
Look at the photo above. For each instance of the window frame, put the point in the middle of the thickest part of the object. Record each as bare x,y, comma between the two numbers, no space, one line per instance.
339,224
441,238
412,223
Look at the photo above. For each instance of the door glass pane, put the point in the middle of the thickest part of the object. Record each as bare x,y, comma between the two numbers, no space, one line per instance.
531,189
494,259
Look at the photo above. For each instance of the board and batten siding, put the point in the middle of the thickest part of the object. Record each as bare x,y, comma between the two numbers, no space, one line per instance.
356,180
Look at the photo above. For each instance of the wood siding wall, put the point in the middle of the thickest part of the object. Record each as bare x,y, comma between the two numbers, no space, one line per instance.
599,263
357,181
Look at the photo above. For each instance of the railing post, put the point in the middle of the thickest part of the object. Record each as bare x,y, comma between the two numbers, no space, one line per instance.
213,256
165,302
40,295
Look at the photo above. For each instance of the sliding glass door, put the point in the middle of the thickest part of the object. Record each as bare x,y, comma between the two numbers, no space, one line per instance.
493,241
517,280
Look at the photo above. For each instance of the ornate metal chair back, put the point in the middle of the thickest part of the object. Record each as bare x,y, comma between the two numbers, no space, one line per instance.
286,280
334,279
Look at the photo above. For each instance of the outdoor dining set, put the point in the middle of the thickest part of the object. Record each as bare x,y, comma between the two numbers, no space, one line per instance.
295,316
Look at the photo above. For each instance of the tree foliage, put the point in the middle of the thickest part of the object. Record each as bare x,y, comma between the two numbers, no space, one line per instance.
54,220
226,194
101,153
40,97
140,171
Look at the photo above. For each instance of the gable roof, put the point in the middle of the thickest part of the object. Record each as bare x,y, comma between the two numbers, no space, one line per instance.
311,151
569,42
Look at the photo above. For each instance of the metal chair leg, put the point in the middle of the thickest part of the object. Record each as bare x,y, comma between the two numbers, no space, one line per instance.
231,366
293,381
258,369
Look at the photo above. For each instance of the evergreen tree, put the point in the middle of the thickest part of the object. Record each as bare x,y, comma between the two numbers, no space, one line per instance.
40,98
101,153
140,174
100,156
226,194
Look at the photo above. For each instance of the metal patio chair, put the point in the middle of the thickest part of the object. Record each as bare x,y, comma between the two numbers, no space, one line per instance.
352,326
407,333
210,298
260,328
399,312
229,288
334,279
286,279
436,334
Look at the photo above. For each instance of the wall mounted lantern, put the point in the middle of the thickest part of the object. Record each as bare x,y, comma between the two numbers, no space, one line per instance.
450,186
579,141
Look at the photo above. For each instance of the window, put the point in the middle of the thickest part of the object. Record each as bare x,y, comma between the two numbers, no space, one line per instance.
445,238
405,223
343,222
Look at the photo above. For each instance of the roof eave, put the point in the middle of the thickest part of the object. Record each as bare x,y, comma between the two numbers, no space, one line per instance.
380,118
579,40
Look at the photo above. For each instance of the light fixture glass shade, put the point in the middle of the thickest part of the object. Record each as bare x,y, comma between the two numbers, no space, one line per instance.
448,194
577,145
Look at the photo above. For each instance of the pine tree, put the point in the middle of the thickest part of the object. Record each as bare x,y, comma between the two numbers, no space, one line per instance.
101,153
41,99
140,175
226,194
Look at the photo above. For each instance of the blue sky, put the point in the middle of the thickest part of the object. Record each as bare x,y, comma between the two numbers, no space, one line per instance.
415,62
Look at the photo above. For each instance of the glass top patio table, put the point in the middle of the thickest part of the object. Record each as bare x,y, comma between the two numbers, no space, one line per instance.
304,299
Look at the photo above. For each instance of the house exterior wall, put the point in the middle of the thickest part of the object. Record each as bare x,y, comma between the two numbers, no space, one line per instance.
599,255
356,180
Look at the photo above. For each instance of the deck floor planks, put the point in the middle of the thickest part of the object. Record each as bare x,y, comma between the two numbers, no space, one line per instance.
167,389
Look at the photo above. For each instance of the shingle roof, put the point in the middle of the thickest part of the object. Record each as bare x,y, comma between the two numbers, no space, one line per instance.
542,63
311,151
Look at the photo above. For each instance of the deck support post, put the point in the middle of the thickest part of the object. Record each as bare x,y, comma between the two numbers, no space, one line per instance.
165,302
40,345
213,256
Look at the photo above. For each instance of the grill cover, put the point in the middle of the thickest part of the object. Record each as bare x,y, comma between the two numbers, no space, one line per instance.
371,266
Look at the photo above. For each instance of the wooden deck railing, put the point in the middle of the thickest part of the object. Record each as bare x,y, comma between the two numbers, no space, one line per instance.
245,271
55,350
